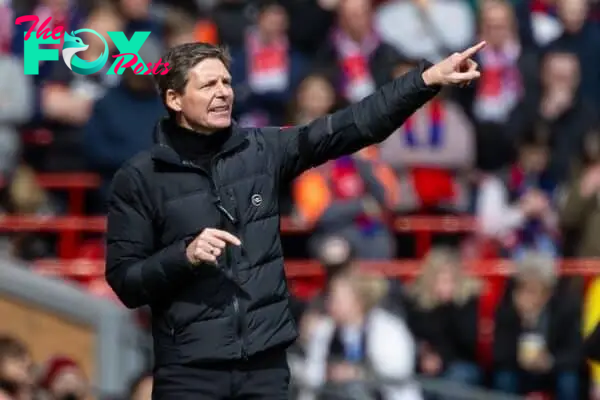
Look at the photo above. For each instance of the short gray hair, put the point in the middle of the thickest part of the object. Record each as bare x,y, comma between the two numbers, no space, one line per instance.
539,266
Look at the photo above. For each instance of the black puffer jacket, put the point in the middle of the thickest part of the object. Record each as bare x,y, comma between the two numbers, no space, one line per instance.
159,203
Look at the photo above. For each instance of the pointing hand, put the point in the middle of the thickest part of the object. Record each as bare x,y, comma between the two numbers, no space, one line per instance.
458,69
209,245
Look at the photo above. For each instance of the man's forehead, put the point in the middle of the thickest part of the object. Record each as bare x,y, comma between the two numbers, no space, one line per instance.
209,70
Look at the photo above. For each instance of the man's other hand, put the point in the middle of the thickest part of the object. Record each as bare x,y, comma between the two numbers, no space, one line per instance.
209,245
458,69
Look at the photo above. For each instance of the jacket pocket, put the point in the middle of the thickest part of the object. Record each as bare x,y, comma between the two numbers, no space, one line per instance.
206,298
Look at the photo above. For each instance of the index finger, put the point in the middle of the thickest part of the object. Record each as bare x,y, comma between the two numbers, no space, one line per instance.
226,236
470,52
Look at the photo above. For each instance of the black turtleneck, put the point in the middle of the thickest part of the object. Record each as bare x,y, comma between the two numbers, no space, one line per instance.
196,147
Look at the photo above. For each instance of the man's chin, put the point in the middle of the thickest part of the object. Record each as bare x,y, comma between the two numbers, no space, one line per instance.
220,122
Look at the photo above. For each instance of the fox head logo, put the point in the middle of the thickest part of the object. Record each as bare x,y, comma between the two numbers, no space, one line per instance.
73,45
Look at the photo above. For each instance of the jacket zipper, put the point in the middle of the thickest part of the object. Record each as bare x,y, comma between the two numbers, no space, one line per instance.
239,316
232,264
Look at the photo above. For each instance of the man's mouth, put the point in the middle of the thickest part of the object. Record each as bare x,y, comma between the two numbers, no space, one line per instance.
219,109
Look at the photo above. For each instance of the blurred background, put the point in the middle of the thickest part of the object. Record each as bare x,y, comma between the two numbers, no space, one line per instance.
455,260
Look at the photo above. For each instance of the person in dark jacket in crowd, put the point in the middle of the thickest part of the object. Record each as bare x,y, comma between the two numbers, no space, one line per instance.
193,223
108,140
442,312
533,349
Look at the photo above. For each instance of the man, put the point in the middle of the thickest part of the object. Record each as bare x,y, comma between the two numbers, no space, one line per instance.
193,224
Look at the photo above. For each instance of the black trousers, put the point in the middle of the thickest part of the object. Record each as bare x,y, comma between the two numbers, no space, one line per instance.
262,376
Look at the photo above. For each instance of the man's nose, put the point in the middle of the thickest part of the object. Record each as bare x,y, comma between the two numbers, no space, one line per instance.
221,88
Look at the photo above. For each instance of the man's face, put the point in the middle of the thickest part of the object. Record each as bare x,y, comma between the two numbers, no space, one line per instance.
355,17
533,158
573,14
530,296
316,96
342,302
444,284
560,71
15,372
207,99
496,24
273,22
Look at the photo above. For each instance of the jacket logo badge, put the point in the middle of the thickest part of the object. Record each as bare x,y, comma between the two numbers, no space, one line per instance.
256,200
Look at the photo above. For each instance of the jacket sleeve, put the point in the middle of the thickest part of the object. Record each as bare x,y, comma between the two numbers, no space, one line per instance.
137,273
464,327
505,337
575,207
362,124
568,353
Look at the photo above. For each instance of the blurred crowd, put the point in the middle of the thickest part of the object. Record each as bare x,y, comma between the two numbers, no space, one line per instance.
519,149
59,378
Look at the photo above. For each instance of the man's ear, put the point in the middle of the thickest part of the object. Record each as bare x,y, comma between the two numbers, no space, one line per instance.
173,100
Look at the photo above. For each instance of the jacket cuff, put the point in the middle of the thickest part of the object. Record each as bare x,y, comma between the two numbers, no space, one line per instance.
422,67
176,257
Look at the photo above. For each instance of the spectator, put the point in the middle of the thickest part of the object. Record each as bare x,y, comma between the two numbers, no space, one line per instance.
67,99
123,121
266,69
443,316
15,369
501,63
580,210
359,340
430,154
533,349
27,197
338,257
581,37
16,107
579,214
348,197
320,13
560,108
63,379
354,56
90,88
429,29
509,72
516,208
315,98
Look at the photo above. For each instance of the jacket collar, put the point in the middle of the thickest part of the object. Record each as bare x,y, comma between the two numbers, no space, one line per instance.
163,150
